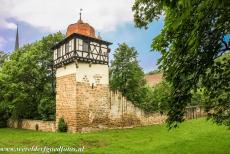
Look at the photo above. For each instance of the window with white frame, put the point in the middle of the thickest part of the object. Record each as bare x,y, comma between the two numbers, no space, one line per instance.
85,46
63,49
59,52
55,54
70,45
80,44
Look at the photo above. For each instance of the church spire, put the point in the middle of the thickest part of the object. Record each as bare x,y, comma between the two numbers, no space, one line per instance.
17,40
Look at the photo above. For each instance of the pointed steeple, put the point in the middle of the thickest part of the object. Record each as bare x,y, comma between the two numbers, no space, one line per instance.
16,40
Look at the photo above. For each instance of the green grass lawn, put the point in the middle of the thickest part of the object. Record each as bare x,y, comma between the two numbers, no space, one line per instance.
194,136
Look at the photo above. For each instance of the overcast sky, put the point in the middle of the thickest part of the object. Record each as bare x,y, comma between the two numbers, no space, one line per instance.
112,18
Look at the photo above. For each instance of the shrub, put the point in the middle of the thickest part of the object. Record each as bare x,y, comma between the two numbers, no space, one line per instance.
62,125
36,127
162,96
158,98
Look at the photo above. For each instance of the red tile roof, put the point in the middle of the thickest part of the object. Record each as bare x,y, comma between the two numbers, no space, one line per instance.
154,79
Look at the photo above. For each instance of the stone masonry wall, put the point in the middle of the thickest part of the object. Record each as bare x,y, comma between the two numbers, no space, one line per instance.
47,126
92,105
66,100
98,108
85,106
81,104
123,113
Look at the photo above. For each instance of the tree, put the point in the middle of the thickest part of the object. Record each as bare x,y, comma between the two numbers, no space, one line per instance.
46,108
158,98
198,97
154,72
194,35
3,57
28,80
217,90
162,96
4,114
126,75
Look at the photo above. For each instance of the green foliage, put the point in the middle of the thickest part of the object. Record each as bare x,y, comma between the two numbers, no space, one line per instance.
158,98
28,80
145,94
217,84
3,57
5,108
198,97
46,108
162,95
4,114
62,125
192,38
126,75
154,72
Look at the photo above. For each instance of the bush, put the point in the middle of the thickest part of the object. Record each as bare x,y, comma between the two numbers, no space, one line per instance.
62,125
158,98
162,96
36,127
145,97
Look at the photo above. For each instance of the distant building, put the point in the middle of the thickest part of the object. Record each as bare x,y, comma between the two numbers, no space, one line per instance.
153,79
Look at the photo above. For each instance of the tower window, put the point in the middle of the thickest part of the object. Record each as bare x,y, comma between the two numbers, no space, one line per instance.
85,46
63,50
67,47
55,54
70,46
59,52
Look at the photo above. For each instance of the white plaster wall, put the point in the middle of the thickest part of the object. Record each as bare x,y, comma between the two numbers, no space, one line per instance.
85,73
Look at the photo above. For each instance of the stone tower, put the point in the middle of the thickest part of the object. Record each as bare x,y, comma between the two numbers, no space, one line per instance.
82,78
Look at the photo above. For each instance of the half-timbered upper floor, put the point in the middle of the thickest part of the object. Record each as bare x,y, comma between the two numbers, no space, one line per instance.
78,47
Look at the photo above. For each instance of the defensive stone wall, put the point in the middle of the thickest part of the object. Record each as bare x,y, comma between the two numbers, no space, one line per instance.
124,113
88,107
39,125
